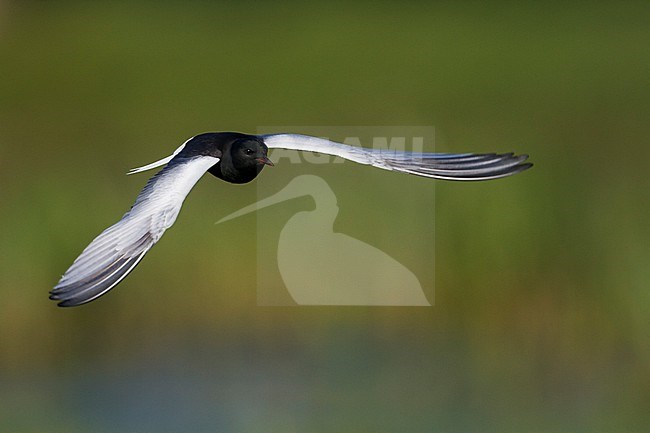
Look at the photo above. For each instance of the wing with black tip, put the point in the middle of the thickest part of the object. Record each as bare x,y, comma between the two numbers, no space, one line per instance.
467,166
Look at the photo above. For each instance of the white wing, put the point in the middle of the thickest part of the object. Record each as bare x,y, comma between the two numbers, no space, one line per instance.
467,166
160,162
118,249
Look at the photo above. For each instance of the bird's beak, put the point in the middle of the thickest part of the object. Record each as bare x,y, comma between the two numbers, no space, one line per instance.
265,161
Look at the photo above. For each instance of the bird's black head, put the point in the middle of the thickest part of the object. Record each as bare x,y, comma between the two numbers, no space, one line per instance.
241,156
249,152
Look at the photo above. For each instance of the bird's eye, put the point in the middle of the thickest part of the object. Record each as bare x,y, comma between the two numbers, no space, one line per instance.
249,151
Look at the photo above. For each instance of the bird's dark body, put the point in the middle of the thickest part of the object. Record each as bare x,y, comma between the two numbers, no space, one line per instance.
241,156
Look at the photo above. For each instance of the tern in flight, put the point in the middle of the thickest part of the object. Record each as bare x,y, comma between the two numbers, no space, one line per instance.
236,158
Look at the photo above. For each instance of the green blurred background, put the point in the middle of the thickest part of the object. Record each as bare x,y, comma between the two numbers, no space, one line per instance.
542,302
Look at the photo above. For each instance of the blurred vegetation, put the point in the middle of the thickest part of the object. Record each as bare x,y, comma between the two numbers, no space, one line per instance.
540,321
